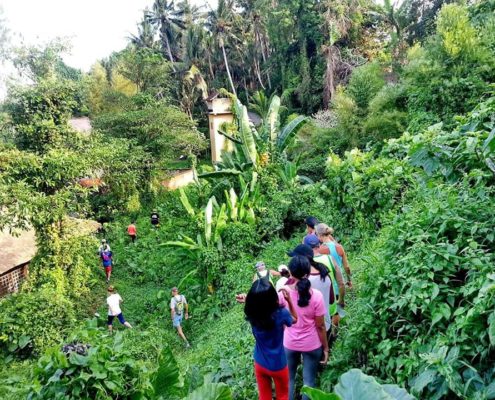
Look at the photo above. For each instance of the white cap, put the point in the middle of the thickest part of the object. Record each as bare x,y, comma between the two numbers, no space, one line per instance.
282,267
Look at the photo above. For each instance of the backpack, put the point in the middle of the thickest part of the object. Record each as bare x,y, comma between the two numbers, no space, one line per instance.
267,278
179,305
106,256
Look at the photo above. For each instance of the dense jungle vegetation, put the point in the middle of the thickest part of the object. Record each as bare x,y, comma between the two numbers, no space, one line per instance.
378,119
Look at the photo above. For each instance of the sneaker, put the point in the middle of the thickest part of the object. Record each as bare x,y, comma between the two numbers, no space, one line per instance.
188,346
108,281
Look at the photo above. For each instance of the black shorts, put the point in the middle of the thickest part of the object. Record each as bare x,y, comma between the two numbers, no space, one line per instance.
155,222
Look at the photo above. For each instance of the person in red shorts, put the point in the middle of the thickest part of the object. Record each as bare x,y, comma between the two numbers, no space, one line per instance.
106,258
132,231
268,320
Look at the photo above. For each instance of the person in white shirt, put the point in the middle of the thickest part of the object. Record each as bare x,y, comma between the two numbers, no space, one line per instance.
284,277
113,301
179,306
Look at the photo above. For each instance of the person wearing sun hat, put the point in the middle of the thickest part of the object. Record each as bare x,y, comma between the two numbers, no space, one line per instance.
263,273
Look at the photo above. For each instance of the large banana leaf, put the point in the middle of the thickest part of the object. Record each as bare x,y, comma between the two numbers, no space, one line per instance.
231,138
185,202
208,220
167,379
289,131
211,391
246,133
272,120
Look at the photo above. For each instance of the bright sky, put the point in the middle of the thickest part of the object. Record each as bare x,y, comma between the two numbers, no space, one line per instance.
95,27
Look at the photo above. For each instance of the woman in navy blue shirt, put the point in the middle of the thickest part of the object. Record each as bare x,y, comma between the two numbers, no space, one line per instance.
268,320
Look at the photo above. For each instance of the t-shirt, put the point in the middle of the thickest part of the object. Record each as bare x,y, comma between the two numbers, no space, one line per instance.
131,230
106,257
265,275
281,283
113,302
326,261
178,304
104,247
303,336
269,349
324,288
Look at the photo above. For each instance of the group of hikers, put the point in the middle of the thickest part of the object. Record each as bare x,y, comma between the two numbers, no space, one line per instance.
293,320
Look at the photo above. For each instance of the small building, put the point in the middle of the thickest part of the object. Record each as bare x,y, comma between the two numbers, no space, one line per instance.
15,254
219,112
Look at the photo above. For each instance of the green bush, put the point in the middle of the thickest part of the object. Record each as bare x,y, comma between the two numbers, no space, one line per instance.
365,82
33,321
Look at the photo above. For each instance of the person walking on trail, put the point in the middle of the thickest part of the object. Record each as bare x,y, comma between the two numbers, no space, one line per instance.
306,339
284,277
155,219
262,273
132,231
325,234
268,320
319,277
179,308
113,302
311,223
106,259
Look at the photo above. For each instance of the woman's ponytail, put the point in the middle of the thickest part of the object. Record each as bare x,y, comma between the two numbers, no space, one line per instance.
321,269
300,268
303,287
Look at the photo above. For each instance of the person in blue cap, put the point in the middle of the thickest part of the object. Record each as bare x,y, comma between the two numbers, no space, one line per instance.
311,223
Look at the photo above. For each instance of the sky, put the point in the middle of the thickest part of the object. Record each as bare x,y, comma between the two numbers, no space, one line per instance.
95,27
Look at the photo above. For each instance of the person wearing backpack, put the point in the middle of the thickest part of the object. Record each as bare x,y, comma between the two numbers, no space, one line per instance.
106,258
178,304
335,249
155,219
264,274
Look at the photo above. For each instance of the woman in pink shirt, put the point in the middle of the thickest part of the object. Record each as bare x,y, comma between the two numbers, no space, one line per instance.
306,338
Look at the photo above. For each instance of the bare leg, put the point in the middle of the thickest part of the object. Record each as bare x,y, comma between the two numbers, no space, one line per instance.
181,334
128,325
110,328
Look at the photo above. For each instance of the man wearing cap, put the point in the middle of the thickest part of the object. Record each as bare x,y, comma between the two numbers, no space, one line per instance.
310,222
178,304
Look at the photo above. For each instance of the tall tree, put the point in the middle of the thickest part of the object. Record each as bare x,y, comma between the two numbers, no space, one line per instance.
221,23
168,19
145,38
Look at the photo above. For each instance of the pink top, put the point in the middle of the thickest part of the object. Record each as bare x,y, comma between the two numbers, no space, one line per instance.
303,335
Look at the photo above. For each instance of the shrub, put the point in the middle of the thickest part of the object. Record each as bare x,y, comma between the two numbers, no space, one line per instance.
365,82
32,321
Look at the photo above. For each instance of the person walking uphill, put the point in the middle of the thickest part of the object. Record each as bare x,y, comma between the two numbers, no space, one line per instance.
155,219
113,302
264,274
268,320
306,338
132,231
106,259
178,304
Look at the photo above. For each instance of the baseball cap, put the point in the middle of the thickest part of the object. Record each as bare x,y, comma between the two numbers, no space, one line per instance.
311,222
282,267
311,240
301,250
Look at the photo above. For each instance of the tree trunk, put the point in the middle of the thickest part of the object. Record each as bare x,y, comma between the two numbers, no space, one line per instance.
169,50
258,73
329,81
227,68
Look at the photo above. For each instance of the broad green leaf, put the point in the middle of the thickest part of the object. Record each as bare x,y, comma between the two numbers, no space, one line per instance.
272,123
24,341
185,202
354,384
491,328
245,133
316,394
167,378
78,359
397,393
208,220
424,379
211,391
217,174
289,131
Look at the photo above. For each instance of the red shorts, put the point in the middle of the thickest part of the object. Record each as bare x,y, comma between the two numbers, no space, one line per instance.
108,269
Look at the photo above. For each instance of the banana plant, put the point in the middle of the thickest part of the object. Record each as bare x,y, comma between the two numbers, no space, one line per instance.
288,173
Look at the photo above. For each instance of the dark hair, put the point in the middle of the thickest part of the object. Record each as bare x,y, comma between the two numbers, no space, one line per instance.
261,303
300,268
285,273
320,267
311,222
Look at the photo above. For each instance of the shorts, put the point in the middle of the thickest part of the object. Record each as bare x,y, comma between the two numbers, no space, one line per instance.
120,317
155,222
133,237
108,268
177,320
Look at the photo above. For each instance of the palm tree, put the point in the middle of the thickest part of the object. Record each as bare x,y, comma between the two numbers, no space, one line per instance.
221,24
145,38
168,19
